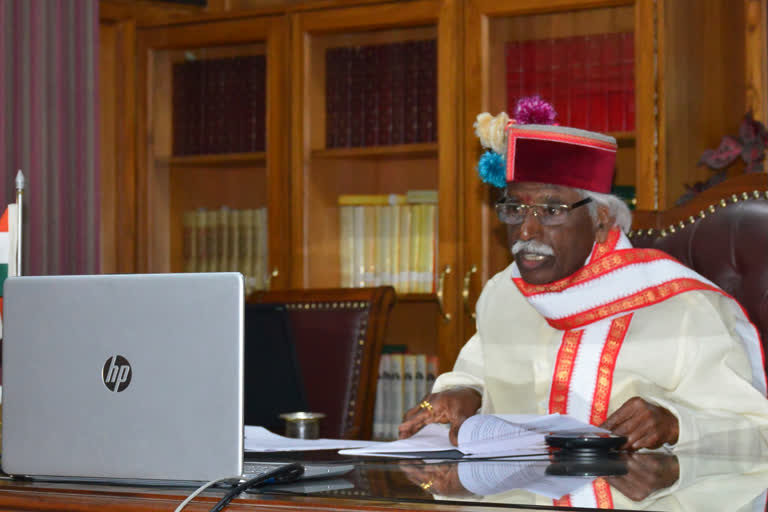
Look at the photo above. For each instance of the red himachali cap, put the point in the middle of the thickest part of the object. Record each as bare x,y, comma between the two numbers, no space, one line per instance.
559,155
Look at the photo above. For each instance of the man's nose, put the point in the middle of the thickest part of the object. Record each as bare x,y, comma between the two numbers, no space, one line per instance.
531,227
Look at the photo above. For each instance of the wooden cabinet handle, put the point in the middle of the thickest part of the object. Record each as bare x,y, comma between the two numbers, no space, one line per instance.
275,272
440,289
465,291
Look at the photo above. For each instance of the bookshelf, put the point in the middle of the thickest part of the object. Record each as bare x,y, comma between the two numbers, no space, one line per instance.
384,138
210,176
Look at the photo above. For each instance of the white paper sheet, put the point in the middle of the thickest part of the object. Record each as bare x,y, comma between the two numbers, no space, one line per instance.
481,436
259,439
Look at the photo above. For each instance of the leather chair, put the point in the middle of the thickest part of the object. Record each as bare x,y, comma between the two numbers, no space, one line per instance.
723,235
338,334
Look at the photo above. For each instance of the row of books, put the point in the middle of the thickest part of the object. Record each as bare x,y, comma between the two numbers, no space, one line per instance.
227,240
590,79
388,240
219,105
404,379
381,95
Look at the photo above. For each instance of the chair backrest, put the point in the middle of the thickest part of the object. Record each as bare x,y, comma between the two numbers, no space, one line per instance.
722,237
338,334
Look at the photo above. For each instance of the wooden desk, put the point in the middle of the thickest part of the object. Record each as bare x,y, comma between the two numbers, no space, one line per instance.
41,496
648,481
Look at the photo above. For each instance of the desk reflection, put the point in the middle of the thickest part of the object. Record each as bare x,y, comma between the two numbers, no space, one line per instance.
728,473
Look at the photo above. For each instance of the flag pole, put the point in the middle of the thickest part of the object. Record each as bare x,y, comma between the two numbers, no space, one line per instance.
19,224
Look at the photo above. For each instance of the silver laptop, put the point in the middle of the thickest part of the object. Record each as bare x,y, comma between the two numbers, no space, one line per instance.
123,376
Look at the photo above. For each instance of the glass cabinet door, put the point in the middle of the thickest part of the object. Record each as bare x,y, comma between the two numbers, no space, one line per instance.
211,179
375,159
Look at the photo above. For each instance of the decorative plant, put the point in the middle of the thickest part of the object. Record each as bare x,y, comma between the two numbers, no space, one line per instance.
750,145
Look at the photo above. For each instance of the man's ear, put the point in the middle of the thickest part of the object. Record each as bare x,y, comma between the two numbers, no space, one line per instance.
604,224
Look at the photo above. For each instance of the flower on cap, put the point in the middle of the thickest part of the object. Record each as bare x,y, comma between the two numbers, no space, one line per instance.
492,132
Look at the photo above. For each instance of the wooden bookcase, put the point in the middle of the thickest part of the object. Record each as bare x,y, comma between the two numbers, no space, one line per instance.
690,89
169,183
423,322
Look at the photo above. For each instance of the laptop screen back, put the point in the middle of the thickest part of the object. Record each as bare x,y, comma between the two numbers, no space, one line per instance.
123,376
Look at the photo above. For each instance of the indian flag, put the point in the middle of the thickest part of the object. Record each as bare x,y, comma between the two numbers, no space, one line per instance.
8,247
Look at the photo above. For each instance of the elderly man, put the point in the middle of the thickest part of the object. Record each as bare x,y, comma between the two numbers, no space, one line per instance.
583,324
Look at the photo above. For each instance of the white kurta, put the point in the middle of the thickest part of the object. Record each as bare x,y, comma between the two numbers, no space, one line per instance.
682,354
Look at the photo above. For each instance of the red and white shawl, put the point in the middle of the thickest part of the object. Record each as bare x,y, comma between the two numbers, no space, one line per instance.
594,307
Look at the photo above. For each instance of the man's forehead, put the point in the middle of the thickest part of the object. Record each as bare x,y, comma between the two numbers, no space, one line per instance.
529,190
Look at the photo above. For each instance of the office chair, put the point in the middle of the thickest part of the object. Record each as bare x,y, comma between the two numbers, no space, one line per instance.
338,335
723,235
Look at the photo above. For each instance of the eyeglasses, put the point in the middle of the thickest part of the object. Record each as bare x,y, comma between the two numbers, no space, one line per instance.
510,212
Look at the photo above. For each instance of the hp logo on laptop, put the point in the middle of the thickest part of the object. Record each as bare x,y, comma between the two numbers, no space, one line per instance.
117,373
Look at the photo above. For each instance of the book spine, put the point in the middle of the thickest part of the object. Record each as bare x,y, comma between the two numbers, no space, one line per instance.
596,82
579,110
384,79
379,410
628,78
398,93
417,233
234,241
262,249
190,241
394,245
427,101
369,246
359,241
412,79
420,377
398,394
223,236
248,248
331,96
404,258
432,368
347,246
371,91
410,399
212,238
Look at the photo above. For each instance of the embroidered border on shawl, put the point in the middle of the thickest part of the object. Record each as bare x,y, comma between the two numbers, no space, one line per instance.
641,299
603,495
566,355
602,395
609,245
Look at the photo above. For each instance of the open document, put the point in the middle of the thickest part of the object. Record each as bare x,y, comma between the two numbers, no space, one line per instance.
259,439
482,435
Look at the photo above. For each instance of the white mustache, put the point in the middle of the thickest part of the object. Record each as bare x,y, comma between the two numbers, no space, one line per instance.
532,247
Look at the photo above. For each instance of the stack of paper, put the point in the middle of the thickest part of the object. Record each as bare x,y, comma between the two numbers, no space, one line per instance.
481,436
259,439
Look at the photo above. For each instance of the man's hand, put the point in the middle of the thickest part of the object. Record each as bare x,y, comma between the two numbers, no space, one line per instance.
646,474
645,425
439,479
451,406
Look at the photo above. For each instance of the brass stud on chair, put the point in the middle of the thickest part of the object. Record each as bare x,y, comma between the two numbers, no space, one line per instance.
702,214
631,233
681,224
711,208
744,196
756,194
723,203
672,228
734,198
691,220
766,194
663,233
649,232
